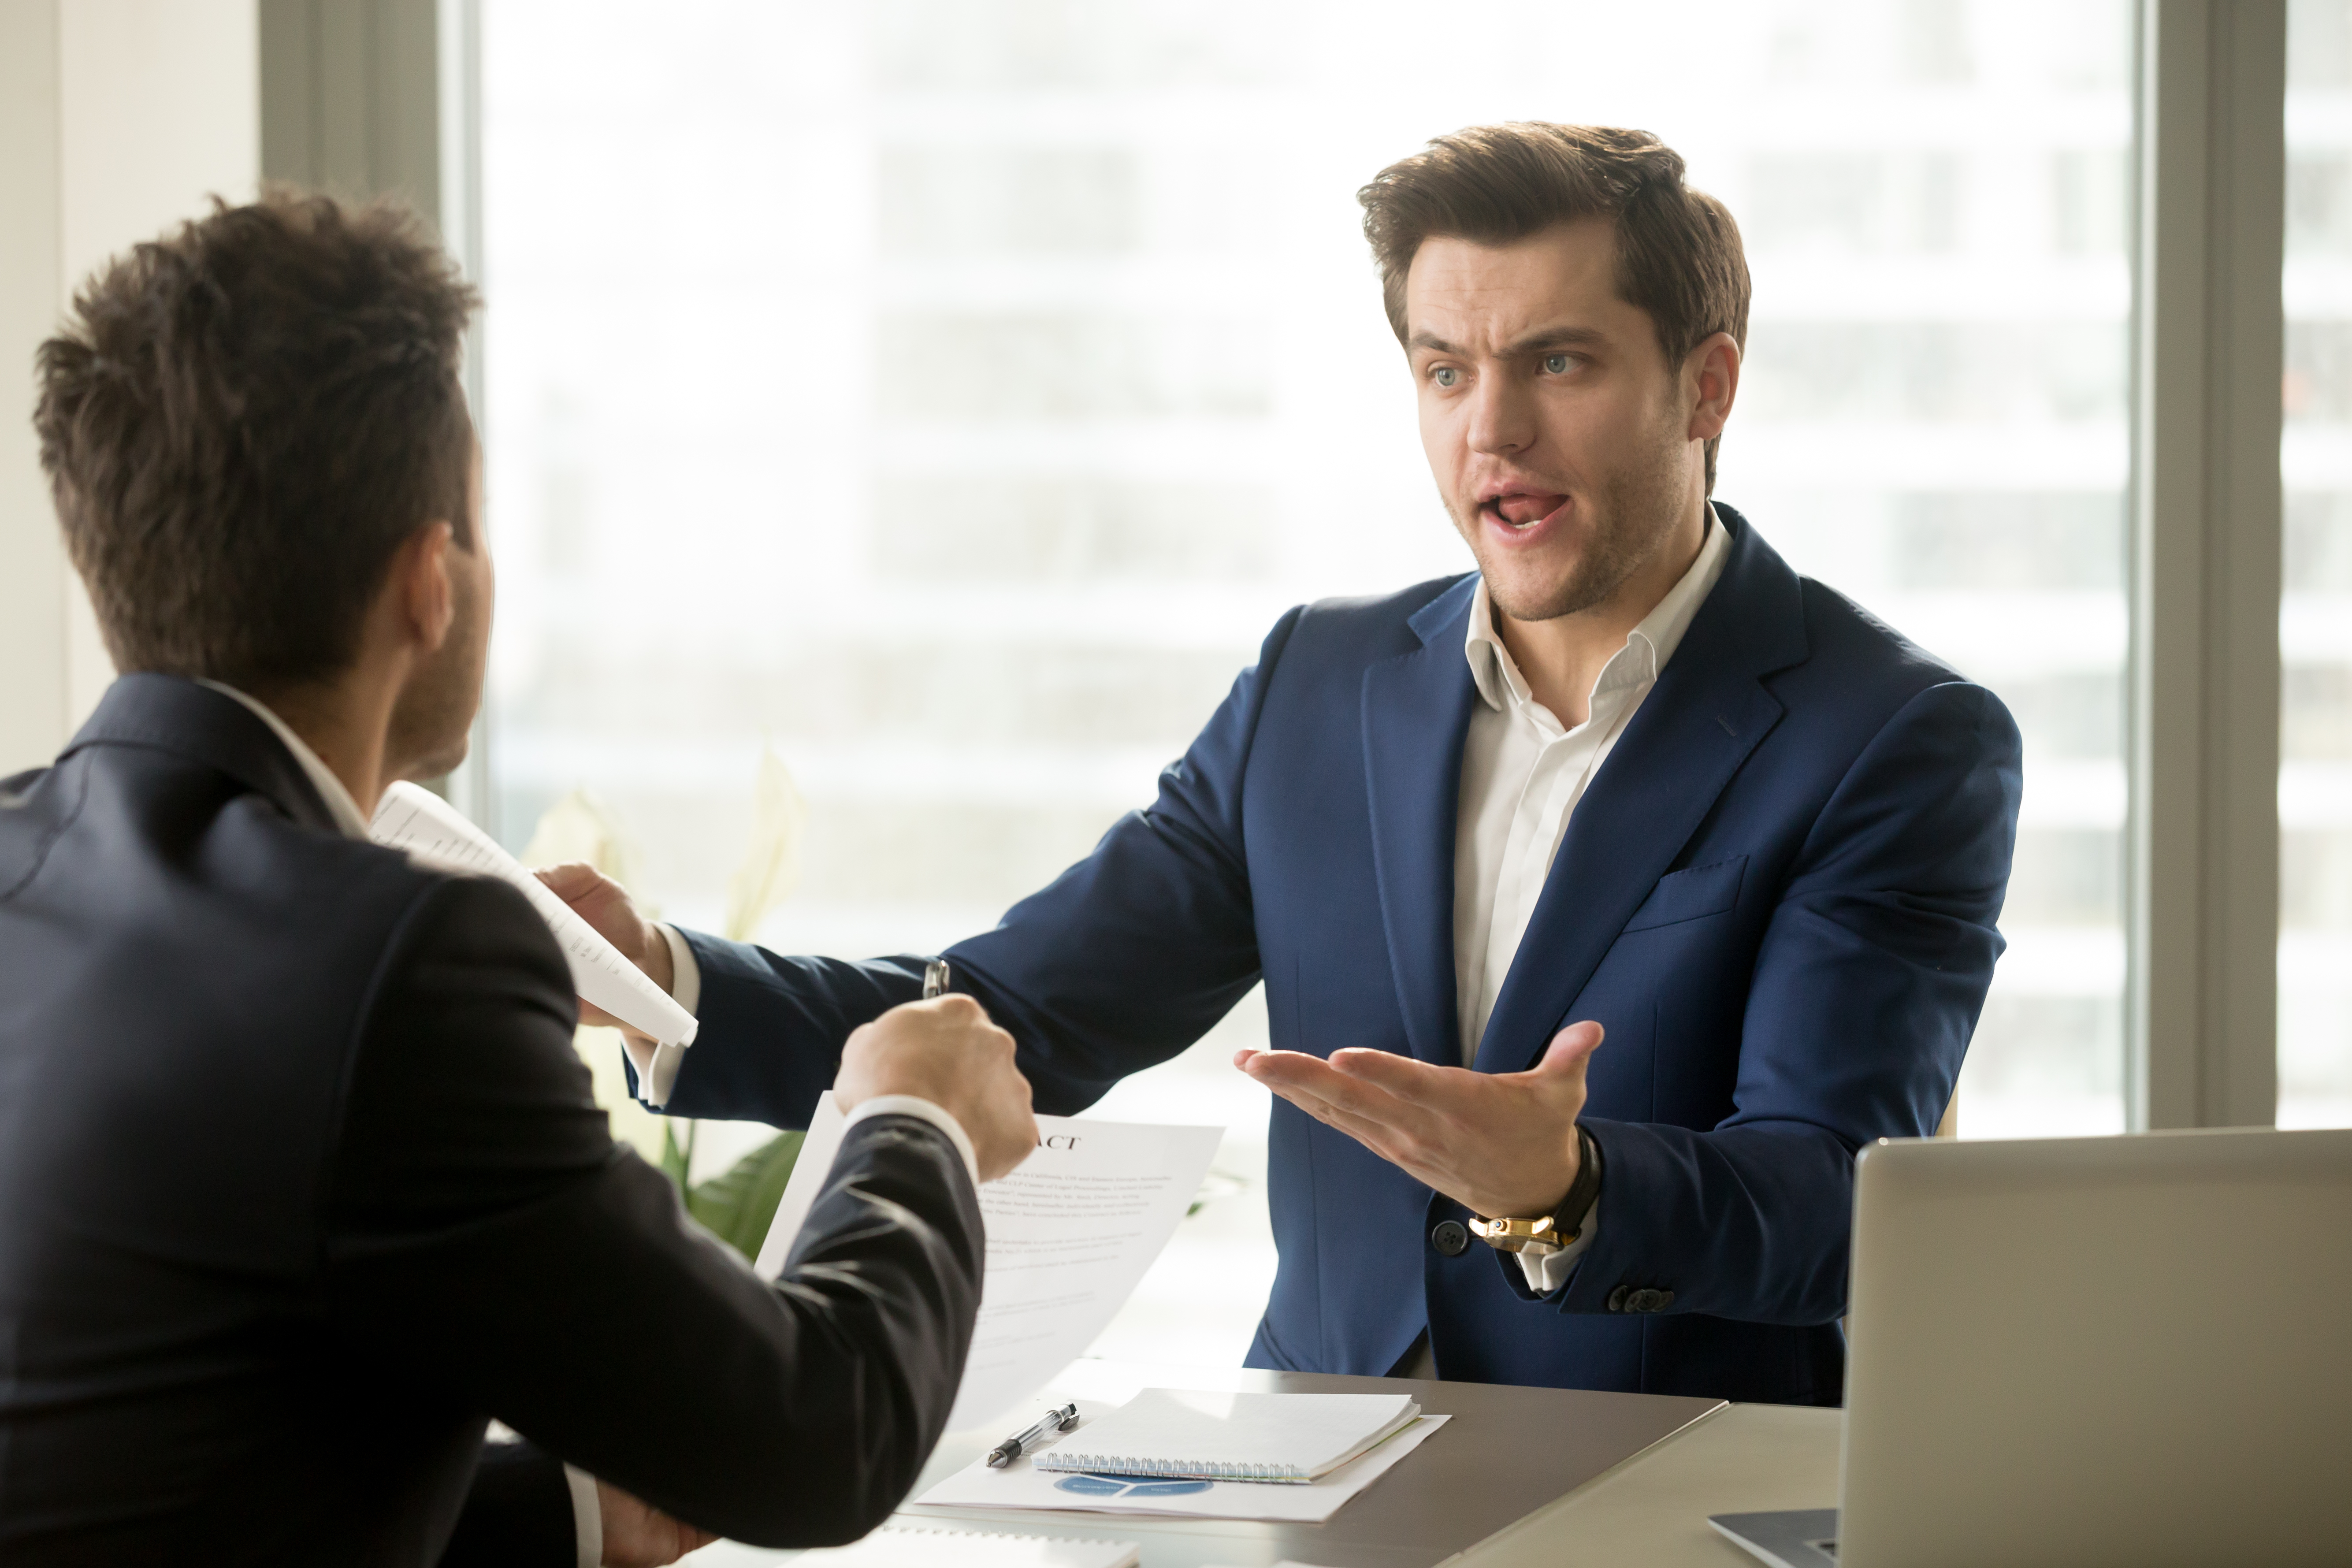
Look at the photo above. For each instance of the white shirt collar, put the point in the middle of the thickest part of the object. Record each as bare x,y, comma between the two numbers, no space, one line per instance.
340,804
1647,648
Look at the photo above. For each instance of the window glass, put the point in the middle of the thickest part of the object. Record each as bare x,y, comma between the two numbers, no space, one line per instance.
952,392
2315,607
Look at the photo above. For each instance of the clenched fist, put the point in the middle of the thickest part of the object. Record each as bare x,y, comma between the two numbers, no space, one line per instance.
946,1051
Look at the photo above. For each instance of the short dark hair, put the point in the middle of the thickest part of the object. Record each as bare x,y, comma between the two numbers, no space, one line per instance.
1678,251
243,421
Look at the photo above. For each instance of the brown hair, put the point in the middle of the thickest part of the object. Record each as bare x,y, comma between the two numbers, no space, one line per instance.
242,422
1679,252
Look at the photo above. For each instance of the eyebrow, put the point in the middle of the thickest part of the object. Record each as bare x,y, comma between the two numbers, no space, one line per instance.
1537,341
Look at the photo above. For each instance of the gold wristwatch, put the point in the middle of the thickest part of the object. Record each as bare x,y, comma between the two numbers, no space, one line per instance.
1547,1234
1535,1235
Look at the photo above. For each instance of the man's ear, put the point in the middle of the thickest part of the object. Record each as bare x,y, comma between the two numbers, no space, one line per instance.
1712,371
427,599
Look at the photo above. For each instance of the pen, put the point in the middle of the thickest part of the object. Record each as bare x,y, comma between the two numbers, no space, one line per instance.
935,978
1012,1447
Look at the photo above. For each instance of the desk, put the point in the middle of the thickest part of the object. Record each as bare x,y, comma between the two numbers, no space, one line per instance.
1558,1497
1651,1510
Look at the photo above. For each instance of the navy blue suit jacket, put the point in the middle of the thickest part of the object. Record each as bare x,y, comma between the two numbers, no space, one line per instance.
1779,896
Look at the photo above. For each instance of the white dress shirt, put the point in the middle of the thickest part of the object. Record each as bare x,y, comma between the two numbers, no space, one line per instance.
587,1516
658,1065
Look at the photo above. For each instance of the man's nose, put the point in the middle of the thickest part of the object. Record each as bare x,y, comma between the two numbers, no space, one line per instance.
1501,422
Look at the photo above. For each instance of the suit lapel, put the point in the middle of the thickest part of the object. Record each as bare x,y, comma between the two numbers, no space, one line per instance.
1416,711
1698,725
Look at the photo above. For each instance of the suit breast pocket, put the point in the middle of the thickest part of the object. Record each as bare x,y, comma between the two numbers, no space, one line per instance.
1690,894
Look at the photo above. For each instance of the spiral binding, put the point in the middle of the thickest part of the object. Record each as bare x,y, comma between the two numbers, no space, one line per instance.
1172,1469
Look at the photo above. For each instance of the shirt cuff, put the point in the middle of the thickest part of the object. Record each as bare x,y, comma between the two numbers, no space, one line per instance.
587,1518
685,971
922,1110
658,1065
1550,1272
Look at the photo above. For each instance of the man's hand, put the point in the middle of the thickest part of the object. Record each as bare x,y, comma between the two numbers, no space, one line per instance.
637,1535
1502,1144
946,1051
600,901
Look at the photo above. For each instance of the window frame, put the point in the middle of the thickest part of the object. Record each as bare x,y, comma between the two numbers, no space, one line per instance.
2202,728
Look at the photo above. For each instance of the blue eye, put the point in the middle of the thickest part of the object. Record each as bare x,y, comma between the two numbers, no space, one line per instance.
1556,364
1446,375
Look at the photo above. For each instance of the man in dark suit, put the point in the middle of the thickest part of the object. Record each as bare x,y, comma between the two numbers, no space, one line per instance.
1634,779
302,1183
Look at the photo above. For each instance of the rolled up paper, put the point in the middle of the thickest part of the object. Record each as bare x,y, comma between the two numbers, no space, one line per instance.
436,834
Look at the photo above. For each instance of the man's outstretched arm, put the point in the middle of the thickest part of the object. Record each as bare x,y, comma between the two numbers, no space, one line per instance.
489,1243
1122,962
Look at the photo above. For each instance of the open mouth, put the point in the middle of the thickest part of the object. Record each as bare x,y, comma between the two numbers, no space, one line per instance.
1522,510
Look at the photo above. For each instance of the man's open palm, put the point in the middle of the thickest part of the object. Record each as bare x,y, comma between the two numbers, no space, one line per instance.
1499,1144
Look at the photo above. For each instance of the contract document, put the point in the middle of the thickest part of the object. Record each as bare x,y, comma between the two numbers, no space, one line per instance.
1069,1235
435,834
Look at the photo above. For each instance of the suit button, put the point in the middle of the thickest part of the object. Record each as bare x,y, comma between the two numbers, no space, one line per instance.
1617,1297
1450,1236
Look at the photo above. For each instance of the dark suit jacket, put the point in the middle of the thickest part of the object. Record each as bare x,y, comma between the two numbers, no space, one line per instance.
1778,895
302,1183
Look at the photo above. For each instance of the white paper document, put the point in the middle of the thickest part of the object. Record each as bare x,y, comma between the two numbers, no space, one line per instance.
433,833
1023,1485
1070,1236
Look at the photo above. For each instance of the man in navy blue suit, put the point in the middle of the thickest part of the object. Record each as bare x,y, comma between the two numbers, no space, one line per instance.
1635,781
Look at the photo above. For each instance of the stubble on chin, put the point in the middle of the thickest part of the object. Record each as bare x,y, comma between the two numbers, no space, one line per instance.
1633,515
431,732
433,721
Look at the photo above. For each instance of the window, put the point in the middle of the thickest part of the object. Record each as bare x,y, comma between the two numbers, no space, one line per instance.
2315,607
955,390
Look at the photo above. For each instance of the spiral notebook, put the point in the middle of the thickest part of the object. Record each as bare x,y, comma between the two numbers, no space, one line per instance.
916,1546
1291,1438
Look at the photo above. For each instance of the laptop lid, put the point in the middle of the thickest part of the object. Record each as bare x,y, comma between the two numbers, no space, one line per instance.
2104,1349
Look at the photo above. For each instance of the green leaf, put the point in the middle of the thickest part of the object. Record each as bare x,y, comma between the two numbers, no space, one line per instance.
738,1207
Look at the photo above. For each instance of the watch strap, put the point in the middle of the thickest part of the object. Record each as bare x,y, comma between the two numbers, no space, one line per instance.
1568,1220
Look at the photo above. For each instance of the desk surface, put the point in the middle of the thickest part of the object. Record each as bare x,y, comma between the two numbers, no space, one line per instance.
1652,1509
1520,1458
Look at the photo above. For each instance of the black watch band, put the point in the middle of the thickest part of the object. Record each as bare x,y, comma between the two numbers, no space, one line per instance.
1568,1220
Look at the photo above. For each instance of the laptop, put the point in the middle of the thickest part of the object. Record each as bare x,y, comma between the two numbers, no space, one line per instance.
2076,1351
